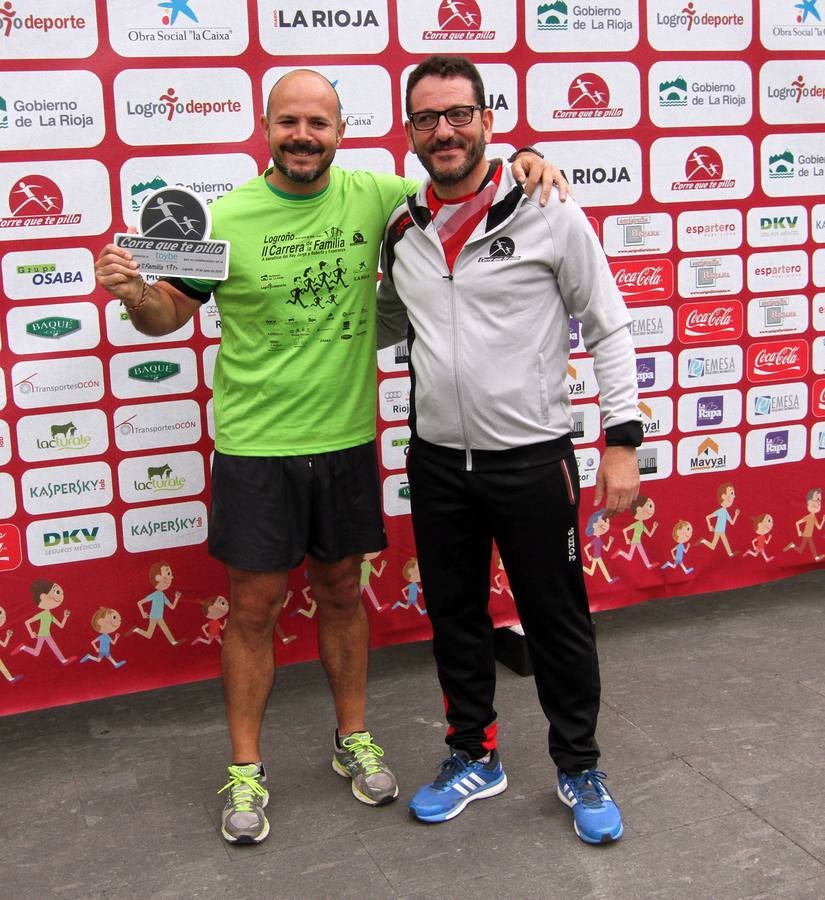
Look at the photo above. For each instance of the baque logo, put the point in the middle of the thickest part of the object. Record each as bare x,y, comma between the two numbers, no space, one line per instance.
154,370
703,171
781,165
644,280
710,321
777,360
459,20
35,200
176,8
588,97
552,16
53,327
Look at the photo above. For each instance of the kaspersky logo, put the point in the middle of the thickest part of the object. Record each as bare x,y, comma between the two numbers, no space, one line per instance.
588,97
154,370
36,200
552,16
169,105
53,327
703,171
177,8
782,165
10,20
459,20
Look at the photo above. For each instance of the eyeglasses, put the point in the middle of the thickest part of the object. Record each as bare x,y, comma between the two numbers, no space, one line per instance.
457,116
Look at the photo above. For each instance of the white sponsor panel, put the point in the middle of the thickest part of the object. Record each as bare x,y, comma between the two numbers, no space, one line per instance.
655,460
163,476
149,425
70,539
394,399
395,443
703,453
791,26
210,418
782,270
701,168
153,373
183,106
581,379
705,276
588,460
48,29
674,25
638,234
62,488
63,434
468,27
43,112
160,527
394,359
704,366
601,173
586,423
555,26
122,333
792,91
591,96
818,275
657,416
208,28
651,326
818,312
775,446
770,403
817,449
818,356
209,358
396,493
293,27
8,499
57,328
818,223
39,274
771,226
371,159
5,442
2,389
364,93
785,314
209,177
700,93
53,199
209,320
793,165
56,382
709,229
709,410
654,371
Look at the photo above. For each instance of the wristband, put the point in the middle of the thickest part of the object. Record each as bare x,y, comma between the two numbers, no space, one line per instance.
143,299
512,158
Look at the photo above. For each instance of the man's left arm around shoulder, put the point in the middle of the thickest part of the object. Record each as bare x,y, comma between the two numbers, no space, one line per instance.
530,167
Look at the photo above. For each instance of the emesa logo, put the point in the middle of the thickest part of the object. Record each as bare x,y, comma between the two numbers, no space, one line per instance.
777,360
642,280
710,321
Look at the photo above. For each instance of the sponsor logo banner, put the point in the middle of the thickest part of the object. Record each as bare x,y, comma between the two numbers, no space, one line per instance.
775,446
710,366
792,165
699,93
11,547
786,314
651,326
778,360
396,494
62,488
601,173
293,27
57,328
444,26
643,280
783,270
161,527
581,379
716,229
701,276
702,453
160,477
818,275
395,442
818,398
792,92
37,274
5,442
655,460
792,25
8,502
64,434
710,320
700,25
657,416
708,410
48,29
586,423
777,403
818,223
592,28
56,382
638,235
122,333
699,169
818,441
587,460
142,427
770,226
818,356
654,371
150,373
71,539
394,399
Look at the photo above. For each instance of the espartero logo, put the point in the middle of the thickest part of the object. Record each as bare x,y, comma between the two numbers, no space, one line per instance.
53,327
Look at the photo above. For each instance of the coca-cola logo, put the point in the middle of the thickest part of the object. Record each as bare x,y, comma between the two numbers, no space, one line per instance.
710,321
643,280
818,398
778,360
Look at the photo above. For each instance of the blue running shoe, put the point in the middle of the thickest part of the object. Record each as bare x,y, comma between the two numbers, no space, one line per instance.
596,818
459,781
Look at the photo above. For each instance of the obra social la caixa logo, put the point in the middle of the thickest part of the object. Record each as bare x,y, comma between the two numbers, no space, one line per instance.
710,321
35,200
778,360
643,280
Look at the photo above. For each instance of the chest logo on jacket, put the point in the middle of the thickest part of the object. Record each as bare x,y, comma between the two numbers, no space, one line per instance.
502,249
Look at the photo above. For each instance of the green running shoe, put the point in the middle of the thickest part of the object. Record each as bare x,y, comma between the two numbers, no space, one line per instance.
243,820
358,757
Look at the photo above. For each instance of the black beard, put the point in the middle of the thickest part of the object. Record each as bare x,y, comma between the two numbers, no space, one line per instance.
476,153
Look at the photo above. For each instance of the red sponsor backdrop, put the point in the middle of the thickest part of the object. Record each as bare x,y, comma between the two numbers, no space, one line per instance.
714,242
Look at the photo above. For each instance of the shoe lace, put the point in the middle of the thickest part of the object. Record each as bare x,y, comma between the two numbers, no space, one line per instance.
243,789
451,767
588,787
365,752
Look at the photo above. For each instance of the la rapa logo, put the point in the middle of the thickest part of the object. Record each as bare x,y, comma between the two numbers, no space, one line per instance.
501,250
459,20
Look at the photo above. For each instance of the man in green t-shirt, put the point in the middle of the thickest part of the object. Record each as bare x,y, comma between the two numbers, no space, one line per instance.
295,470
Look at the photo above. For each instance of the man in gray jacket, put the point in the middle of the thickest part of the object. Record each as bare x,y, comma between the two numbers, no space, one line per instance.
483,282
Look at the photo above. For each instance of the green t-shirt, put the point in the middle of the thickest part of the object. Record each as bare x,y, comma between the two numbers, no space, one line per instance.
296,368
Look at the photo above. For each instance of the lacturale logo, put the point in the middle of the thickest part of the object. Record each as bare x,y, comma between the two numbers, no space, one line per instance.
552,16
169,105
154,370
782,165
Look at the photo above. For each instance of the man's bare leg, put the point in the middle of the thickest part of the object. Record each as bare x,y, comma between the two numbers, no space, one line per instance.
247,656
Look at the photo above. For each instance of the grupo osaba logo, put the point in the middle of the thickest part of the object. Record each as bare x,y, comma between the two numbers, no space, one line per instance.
32,275
47,29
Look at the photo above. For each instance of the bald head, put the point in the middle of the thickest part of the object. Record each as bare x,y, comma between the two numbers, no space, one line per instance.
303,83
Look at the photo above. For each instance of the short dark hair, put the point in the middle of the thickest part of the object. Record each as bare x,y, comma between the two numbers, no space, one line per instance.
447,67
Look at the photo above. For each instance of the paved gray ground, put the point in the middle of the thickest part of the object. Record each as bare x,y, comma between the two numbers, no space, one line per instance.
712,728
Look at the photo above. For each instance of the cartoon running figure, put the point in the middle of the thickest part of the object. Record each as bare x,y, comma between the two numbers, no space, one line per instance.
105,622
368,569
160,577
682,533
4,642
594,550
47,595
501,583
643,509
762,526
725,496
215,610
809,523
412,589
